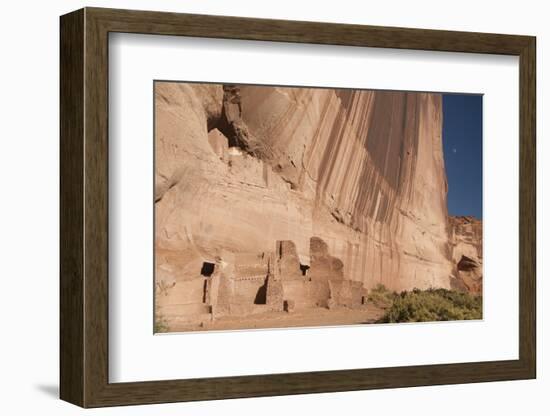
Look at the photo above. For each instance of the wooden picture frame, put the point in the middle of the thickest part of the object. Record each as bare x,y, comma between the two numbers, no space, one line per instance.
84,207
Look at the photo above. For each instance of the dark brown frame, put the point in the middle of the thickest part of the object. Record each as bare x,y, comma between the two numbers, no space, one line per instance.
84,207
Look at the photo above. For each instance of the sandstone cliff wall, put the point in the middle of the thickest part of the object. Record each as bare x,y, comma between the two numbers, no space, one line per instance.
466,241
238,168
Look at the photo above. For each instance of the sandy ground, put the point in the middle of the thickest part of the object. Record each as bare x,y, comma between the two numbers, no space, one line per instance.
305,318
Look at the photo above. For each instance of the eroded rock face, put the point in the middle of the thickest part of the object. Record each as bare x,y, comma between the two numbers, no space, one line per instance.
466,240
239,168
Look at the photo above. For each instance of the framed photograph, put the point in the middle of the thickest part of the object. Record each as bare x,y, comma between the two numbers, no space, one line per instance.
255,207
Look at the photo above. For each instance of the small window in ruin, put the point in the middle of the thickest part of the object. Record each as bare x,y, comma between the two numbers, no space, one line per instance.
207,269
304,268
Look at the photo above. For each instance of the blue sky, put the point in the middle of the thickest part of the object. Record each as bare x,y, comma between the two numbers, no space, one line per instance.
462,148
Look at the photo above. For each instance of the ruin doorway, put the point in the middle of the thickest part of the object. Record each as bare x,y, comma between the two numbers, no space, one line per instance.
261,295
207,269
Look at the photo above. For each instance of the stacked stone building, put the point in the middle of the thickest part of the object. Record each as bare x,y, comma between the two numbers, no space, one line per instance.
254,283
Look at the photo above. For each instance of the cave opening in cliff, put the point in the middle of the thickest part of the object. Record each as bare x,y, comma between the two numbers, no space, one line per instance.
466,264
304,268
207,269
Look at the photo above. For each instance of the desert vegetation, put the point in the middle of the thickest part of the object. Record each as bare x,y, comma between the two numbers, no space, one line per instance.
160,325
426,305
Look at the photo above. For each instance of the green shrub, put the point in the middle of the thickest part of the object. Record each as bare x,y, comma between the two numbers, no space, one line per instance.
381,296
433,305
160,325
